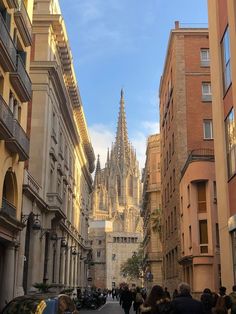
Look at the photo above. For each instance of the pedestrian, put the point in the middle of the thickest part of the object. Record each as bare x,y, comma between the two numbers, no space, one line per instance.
232,296
126,299
184,303
138,300
156,302
222,303
166,293
207,301
113,293
175,294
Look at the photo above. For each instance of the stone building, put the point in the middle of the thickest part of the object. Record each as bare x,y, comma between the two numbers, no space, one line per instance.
15,93
116,226
151,213
57,181
222,26
190,246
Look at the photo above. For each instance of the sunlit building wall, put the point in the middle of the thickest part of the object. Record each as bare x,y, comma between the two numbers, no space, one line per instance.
222,28
15,93
58,179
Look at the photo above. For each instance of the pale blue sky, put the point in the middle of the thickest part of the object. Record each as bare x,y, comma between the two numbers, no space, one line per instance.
122,43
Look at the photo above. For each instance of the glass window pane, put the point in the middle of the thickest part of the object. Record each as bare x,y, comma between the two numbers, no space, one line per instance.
203,231
208,129
230,131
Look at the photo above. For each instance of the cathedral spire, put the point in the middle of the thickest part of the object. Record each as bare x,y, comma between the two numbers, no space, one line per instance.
98,167
122,142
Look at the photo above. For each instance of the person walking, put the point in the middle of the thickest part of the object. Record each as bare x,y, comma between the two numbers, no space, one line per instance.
126,299
166,293
207,301
156,302
232,296
222,303
138,300
184,303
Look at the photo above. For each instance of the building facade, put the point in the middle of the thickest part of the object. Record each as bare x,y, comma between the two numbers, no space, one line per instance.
222,26
57,180
15,93
186,131
151,213
116,226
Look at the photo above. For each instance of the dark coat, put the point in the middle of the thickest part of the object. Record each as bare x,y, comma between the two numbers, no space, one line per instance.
208,302
126,299
186,305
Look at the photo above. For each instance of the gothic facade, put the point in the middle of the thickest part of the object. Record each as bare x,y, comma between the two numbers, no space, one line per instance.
116,225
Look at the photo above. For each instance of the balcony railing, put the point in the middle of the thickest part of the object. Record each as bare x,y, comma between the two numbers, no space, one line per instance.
23,23
21,81
8,208
6,120
7,48
19,143
202,154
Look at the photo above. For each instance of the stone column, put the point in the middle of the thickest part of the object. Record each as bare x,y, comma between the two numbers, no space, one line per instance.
58,268
75,270
62,267
8,281
20,264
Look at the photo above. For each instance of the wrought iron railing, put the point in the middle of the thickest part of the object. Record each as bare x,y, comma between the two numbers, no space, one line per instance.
6,118
20,136
8,208
22,9
21,71
7,41
204,154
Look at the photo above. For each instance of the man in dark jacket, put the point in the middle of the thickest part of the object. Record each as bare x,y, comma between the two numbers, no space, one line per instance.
184,303
126,299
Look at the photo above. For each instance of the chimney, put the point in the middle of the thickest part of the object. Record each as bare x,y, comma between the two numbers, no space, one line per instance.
176,24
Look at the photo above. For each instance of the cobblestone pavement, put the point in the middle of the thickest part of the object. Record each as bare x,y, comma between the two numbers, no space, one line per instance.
111,307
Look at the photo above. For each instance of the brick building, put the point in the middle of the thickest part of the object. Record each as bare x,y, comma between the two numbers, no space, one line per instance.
186,127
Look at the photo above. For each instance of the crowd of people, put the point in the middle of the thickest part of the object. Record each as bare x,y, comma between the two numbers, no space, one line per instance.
159,301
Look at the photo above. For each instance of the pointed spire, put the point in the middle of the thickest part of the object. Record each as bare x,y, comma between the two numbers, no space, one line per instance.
108,157
122,142
98,167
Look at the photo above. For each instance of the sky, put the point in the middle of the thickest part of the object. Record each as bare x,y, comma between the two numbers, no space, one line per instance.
122,44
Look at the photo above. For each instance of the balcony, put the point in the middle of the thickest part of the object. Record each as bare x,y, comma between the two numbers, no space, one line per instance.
20,81
23,23
8,208
202,154
55,204
6,120
19,143
7,48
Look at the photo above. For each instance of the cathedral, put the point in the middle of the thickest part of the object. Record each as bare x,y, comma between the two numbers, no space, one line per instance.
116,226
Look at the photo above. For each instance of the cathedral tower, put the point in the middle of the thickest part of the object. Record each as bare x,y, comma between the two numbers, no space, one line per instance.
115,207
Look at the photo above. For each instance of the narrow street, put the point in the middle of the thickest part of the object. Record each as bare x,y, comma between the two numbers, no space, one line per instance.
110,307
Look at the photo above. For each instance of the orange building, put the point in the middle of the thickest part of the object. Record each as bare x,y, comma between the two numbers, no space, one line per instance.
151,212
187,159
222,28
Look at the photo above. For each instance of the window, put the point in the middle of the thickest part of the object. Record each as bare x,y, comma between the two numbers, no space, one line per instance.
190,236
230,133
188,195
205,57
225,50
234,252
203,235
113,257
98,253
208,130
217,236
201,196
214,192
206,91
99,242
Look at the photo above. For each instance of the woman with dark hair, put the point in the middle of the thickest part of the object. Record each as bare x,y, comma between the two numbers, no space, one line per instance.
207,301
156,302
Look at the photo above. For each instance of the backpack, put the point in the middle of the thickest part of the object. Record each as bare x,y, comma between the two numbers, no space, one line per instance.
220,305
